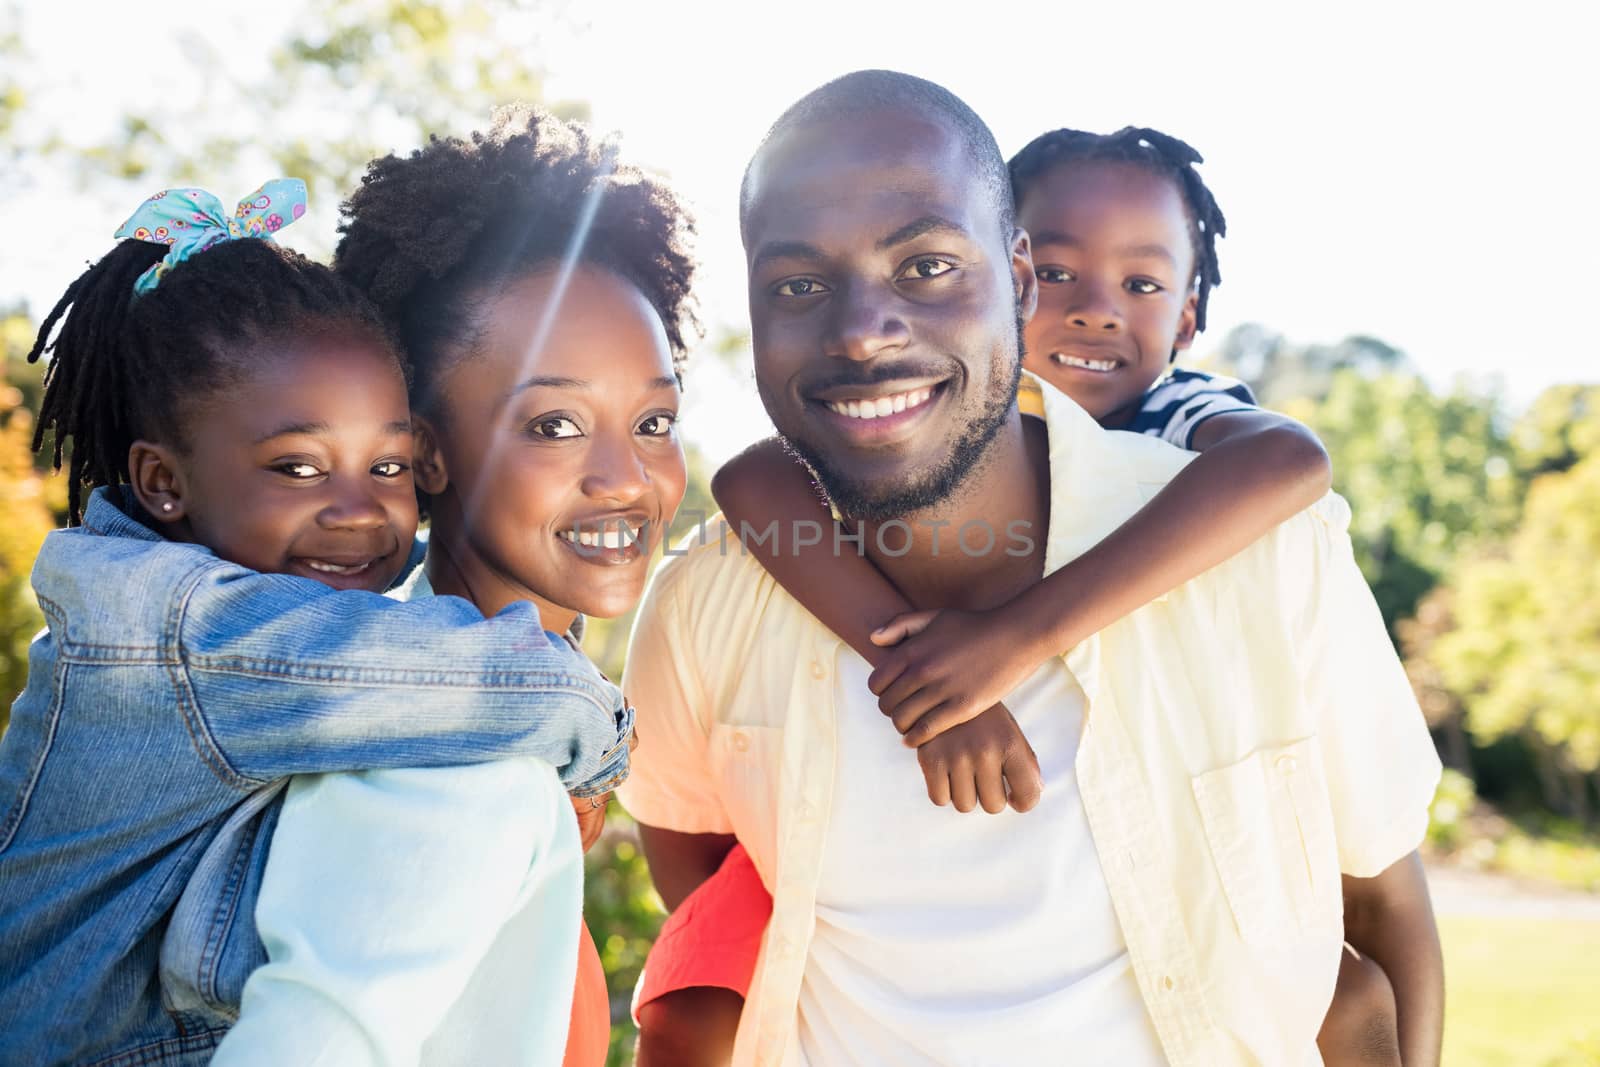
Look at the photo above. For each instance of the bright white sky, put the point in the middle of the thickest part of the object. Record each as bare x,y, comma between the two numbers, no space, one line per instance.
1421,172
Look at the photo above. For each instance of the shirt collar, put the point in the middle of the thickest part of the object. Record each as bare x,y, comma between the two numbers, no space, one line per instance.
1093,487
112,512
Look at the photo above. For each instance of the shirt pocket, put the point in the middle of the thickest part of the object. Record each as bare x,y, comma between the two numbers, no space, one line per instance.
1269,825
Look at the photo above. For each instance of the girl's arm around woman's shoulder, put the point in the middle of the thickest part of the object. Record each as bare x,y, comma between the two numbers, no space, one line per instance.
284,676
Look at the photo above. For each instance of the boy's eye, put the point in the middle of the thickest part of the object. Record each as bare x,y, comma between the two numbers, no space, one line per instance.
298,471
390,468
659,425
926,267
1052,275
556,428
800,287
1143,285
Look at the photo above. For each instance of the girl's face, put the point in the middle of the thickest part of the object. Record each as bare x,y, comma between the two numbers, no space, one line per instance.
303,468
554,462
1115,267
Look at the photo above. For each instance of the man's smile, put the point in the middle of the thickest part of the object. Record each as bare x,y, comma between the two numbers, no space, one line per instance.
880,413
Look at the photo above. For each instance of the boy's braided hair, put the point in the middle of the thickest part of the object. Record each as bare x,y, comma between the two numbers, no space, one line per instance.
428,235
124,368
1156,152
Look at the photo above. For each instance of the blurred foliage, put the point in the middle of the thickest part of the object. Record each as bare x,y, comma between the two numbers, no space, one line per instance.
31,504
1428,476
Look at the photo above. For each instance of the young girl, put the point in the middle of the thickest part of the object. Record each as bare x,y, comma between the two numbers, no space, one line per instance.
1124,247
547,335
240,414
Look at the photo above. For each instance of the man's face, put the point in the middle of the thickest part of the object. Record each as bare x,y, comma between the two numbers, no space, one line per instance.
885,304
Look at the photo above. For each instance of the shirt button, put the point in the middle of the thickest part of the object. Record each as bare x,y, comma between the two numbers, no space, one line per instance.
741,741
817,670
807,812
1167,983
1285,764
785,948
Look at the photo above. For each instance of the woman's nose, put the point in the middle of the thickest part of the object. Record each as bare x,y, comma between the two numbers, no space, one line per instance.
615,472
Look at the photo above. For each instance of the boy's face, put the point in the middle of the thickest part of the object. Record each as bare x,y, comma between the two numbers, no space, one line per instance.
303,468
1115,267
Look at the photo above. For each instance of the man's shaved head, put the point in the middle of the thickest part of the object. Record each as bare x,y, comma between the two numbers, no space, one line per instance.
867,91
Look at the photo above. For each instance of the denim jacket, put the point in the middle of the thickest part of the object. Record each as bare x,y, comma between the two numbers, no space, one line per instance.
170,693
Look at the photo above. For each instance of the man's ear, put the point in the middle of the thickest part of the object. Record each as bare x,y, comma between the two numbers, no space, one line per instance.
1022,276
427,461
1186,324
157,480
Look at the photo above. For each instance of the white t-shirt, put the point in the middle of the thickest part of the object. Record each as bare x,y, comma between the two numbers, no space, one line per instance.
973,939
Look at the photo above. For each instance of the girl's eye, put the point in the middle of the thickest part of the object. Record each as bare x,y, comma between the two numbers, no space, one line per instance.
298,471
800,287
556,427
658,425
926,267
390,468
1052,275
1143,285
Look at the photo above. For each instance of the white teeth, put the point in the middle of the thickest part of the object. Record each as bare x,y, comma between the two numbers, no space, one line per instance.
334,568
1101,365
611,536
881,406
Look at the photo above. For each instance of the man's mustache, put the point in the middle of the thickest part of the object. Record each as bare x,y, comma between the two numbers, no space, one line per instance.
874,371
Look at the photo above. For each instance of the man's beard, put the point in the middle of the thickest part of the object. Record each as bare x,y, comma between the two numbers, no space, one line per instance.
882,503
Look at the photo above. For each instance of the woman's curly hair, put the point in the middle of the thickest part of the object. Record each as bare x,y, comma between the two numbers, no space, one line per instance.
427,235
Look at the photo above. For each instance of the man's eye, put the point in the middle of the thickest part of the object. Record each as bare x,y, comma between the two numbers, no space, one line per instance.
390,468
556,428
298,471
658,425
927,267
1052,275
800,287
1143,285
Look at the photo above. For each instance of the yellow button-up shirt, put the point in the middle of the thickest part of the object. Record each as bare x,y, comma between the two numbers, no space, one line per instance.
1249,737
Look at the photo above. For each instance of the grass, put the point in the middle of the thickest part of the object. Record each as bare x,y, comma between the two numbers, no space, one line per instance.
1521,993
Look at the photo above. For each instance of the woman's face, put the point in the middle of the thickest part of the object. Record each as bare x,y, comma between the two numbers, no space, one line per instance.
559,448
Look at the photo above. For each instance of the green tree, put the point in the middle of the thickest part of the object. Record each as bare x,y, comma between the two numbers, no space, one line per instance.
1524,656
1428,477
1280,371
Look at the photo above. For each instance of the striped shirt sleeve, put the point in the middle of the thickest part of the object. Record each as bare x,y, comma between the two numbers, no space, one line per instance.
1175,406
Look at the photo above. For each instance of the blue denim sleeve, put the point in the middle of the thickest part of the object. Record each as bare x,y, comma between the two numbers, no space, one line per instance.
281,675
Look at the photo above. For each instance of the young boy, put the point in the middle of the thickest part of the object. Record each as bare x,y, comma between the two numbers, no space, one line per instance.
1124,247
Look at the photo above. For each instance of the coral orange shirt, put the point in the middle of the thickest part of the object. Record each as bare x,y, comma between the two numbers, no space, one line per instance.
589,1035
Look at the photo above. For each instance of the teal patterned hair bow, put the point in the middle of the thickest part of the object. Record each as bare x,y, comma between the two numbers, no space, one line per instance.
192,220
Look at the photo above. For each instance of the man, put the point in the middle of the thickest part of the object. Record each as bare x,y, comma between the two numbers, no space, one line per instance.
1224,770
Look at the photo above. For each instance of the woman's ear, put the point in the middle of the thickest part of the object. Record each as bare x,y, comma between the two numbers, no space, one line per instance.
427,462
157,481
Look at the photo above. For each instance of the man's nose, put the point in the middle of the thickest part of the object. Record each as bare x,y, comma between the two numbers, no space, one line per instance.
354,506
863,324
615,472
1093,307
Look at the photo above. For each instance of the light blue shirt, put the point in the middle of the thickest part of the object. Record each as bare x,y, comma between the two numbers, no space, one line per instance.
416,916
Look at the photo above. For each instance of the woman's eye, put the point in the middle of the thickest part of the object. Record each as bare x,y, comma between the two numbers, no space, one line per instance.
1052,275
800,287
658,425
927,267
556,428
1143,285
390,468
298,471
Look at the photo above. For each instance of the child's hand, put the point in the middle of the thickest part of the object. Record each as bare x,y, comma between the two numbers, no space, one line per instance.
982,761
591,817
946,667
